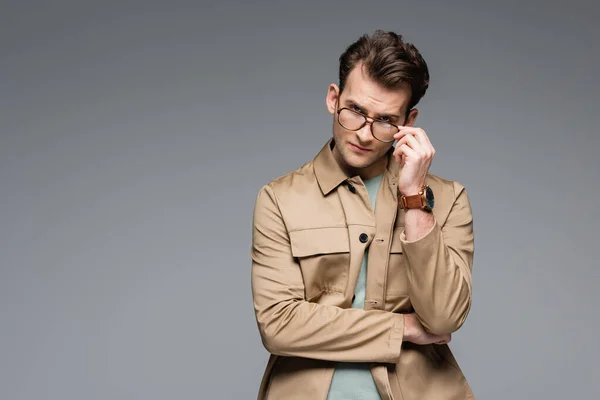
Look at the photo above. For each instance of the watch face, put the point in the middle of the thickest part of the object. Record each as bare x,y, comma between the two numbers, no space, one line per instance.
429,197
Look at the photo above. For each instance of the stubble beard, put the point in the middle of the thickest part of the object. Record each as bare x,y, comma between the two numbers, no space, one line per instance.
356,163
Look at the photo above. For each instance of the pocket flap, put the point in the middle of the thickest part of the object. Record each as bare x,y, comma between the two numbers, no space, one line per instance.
309,242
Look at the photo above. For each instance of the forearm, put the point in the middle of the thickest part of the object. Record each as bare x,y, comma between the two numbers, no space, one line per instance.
417,223
439,286
301,329
439,261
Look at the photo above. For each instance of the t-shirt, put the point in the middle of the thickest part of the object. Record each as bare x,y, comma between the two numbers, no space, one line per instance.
353,381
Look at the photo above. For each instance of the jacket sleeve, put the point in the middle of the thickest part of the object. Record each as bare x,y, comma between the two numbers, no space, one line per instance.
291,326
439,268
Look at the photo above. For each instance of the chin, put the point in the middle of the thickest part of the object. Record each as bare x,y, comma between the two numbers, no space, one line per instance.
357,162
352,159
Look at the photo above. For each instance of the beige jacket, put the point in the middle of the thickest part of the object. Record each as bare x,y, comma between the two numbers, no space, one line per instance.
306,256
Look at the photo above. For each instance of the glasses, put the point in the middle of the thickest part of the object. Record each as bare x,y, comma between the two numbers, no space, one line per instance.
354,121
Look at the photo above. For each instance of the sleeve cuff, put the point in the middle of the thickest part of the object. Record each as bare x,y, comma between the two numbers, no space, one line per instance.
396,337
426,239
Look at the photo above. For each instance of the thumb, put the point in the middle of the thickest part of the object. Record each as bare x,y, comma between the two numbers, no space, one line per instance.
444,339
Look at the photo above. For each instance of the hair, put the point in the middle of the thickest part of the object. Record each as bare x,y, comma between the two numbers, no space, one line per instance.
389,61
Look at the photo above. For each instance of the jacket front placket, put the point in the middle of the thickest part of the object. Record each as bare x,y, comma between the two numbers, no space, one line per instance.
378,227
360,221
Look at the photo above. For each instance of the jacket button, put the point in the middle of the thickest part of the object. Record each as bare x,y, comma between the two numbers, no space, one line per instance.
363,238
351,188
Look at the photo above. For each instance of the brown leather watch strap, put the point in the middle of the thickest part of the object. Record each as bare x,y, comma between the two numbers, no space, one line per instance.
409,202
413,201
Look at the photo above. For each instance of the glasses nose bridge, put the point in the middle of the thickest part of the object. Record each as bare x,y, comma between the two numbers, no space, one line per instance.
368,121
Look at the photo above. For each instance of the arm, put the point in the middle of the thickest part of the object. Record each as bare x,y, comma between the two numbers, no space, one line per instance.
439,266
291,326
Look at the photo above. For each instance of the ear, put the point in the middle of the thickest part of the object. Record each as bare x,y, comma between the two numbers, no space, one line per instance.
412,117
332,98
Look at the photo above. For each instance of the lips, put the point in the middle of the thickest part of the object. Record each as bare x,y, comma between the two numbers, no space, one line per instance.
358,148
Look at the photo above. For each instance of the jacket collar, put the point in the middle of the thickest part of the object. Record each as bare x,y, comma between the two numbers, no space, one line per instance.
330,175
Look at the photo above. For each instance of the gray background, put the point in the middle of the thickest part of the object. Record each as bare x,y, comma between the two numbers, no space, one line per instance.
135,136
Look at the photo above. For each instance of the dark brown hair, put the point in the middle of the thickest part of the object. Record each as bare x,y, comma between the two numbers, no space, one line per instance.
389,61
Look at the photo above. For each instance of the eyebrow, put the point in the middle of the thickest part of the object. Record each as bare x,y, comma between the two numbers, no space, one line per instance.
350,102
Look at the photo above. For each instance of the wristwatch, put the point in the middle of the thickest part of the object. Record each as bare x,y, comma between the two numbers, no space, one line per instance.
423,200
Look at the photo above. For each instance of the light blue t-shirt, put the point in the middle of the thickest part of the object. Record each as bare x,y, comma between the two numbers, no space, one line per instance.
353,381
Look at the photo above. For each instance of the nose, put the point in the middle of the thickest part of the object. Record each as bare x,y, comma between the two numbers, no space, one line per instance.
364,133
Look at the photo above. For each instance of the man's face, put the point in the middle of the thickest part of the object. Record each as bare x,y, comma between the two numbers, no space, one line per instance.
358,152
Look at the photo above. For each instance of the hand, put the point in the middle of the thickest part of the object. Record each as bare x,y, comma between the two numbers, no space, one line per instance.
414,153
415,333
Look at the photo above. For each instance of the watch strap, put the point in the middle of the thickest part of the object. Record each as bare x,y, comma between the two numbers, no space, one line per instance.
413,201
409,202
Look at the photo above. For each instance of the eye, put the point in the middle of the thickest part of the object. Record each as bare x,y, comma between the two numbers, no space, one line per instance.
357,109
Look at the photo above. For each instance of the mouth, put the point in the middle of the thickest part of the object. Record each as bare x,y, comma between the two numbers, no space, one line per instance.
358,149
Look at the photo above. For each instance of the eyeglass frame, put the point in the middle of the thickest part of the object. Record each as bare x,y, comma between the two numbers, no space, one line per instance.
367,122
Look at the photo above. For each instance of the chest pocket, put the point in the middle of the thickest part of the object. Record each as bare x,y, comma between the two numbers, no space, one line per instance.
324,257
397,299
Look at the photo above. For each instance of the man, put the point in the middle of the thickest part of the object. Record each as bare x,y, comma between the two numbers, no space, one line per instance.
361,259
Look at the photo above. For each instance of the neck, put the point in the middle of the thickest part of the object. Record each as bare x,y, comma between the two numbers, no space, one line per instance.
373,170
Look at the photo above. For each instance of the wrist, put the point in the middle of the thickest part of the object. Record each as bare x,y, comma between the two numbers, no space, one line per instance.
410,190
408,327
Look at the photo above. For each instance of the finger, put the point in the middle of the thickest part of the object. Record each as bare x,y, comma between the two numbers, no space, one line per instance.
413,143
397,153
406,153
400,142
409,139
398,135
426,148
412,131
406,150
404,129
421,135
